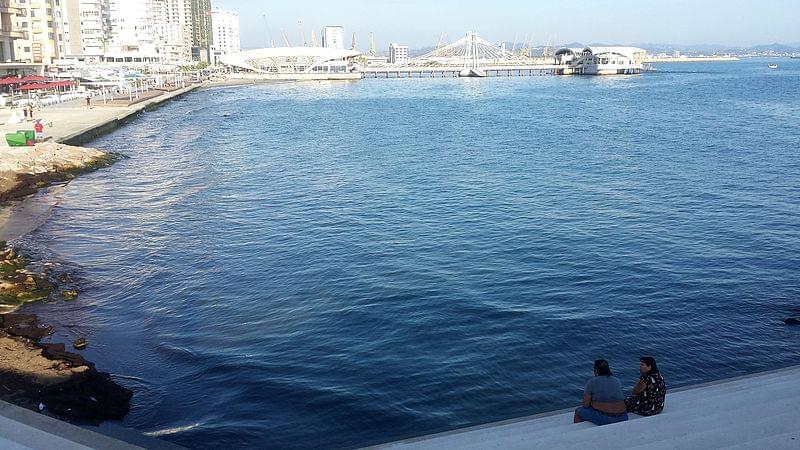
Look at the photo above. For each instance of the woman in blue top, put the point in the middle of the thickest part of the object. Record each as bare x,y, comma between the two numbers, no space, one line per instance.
603,401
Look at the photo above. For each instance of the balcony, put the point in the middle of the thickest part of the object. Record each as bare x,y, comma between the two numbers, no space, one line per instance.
11,7
13,34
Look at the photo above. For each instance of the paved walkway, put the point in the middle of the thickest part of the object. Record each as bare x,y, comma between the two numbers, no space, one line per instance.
753,412
66,120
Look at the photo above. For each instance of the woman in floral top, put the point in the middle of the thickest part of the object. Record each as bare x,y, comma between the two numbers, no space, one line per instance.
649,392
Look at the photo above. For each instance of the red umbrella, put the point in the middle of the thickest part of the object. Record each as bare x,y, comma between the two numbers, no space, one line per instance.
32,86
10,80
33,79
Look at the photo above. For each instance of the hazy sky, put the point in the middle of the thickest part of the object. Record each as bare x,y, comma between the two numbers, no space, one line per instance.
420,23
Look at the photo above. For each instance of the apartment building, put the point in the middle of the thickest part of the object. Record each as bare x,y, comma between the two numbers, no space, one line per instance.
225,32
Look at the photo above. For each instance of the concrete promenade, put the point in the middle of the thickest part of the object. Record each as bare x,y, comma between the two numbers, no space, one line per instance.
751,412
24,429
73,123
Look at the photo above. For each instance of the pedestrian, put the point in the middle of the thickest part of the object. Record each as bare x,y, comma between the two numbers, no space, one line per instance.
30,111
603,402
88,101
25,112
38,128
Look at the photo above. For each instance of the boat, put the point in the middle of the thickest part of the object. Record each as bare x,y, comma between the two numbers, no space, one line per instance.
772,66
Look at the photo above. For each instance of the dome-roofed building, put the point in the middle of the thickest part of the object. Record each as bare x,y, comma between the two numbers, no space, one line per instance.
601,60
314,63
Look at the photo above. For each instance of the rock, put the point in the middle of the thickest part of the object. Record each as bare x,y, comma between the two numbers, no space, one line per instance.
93,397
10,320
792,321
80,344
30,332
57,352
30,282
70,294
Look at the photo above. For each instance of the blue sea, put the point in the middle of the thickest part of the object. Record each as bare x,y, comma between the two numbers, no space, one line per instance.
339,264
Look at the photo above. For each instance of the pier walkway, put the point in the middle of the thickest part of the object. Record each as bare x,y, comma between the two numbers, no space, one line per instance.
453,71
751,412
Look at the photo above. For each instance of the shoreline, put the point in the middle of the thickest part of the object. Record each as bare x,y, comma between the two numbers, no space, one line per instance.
40,376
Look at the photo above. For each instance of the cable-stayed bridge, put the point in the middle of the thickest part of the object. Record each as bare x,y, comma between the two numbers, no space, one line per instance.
470,56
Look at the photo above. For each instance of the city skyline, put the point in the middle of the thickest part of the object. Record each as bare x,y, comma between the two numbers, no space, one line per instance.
737,23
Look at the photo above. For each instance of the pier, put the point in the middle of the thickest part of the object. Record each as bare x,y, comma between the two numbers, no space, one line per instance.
452,72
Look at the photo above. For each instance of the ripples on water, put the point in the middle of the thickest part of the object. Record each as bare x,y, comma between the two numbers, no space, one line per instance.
341,264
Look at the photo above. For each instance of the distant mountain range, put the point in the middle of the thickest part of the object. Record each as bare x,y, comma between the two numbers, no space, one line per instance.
652,48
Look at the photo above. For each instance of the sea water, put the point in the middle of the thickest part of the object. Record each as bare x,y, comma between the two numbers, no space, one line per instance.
337,264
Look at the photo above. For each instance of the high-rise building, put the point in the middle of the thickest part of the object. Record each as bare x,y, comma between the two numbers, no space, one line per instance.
41,21
333,37
87,29
10,32
173,29
398,54
132,37
201,30
225,26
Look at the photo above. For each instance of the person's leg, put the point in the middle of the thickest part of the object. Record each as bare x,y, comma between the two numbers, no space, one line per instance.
577,418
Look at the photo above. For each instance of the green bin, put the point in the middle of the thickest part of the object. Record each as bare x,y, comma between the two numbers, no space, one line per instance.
16,139
29,134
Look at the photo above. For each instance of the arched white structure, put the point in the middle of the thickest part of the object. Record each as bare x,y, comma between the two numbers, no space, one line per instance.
293,61
470,51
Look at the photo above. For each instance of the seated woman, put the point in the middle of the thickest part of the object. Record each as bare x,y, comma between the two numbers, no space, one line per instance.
649,392
603,402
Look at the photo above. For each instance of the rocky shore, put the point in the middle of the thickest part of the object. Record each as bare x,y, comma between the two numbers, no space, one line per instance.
45,376
23,170
33,373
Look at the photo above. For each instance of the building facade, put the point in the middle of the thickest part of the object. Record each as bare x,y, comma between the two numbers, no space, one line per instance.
87,29
333,37
10,32
226,39
173,29
41,23
201,30
398,54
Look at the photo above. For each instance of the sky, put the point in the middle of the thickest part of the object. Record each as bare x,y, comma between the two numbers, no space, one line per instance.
734,23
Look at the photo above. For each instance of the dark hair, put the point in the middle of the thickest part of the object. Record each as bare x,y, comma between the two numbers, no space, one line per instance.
601,366
650,361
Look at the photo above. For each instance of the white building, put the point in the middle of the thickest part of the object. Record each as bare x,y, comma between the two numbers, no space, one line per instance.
601,60
225,33
333,37
398,54
132,36
41,24
173,29
86,29
294,63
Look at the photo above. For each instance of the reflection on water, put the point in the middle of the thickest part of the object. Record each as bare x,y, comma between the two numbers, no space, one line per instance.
339,264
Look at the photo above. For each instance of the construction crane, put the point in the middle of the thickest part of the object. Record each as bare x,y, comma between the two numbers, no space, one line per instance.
266,27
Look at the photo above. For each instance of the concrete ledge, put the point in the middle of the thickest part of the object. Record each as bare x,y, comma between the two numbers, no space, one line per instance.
98,129
22,428
752,411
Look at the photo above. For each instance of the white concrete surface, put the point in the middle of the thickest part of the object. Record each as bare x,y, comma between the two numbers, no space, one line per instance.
752,412
24,429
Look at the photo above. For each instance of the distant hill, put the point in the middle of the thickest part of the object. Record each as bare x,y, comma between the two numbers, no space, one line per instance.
656,48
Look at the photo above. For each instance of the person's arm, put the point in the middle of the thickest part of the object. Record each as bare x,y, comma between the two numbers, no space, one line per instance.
639,387
587,400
